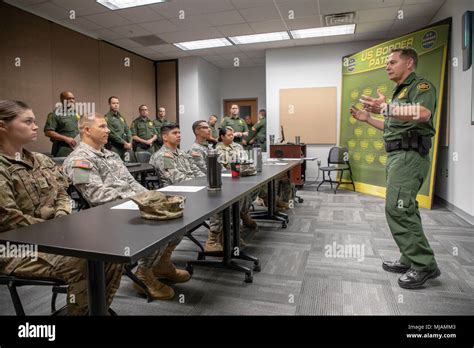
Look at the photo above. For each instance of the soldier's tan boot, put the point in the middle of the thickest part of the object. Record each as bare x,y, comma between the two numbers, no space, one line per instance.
166,269
157,289
282,204
213,243
248,221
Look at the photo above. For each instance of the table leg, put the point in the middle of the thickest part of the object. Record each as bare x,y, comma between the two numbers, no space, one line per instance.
271,214
237,253
226,262
96,288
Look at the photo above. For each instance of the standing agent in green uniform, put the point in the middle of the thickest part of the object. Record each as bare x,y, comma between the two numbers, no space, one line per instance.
214,138
120,137
258,132
143,131
236,123
408,129
61,126
159,122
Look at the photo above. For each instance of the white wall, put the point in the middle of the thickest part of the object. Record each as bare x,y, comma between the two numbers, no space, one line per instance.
458,189
198,94
243,83
307,66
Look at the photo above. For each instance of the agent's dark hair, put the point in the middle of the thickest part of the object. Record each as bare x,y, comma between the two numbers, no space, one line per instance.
9,109
196,125
112,97
407,52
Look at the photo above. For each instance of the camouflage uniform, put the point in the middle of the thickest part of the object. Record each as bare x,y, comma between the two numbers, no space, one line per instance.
119,133
198,153
34,190
101,177
174,166
63,123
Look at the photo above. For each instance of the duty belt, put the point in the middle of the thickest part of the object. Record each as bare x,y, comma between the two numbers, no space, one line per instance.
410,140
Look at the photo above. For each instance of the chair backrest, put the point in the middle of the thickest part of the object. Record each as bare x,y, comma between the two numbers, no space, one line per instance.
338,155
77,196
143,156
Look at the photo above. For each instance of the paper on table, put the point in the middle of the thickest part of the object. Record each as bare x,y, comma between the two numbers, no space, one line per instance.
128,205
227,174
275,164
173,188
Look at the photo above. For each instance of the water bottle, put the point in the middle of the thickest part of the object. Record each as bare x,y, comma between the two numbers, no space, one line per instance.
214,168
257,156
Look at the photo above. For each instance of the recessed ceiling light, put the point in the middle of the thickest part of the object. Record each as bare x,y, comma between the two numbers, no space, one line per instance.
267,37
323,31
119,4
201,44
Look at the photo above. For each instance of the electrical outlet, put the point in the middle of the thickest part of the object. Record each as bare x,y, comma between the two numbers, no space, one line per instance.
319,162
446,172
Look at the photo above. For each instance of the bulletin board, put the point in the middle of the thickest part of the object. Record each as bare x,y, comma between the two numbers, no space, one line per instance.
309,113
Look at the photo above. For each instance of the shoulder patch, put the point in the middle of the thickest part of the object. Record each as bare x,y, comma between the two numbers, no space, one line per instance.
423,86
150,124
241,121
254,129
121,119
84,164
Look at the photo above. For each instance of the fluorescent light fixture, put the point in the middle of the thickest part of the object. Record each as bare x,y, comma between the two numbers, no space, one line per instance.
119,4
323,31
201,44
255,38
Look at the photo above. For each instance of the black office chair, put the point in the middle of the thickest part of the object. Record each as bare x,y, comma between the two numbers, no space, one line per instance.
152,181
338,161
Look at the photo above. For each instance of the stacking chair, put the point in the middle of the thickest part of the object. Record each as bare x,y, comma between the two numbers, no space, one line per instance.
338,161
152,181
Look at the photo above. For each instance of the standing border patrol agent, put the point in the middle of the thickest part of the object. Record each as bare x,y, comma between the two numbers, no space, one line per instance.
61,126
408,129
120,136
143,131
236,123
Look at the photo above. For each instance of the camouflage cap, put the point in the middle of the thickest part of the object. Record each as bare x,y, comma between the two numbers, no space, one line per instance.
158,206
247,169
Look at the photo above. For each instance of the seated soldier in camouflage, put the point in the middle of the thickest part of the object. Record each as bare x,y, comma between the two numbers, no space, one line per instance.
34,190
201,145
101,177
173,164
228,151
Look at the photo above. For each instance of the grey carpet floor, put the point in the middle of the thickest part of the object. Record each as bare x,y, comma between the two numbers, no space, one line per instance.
327,262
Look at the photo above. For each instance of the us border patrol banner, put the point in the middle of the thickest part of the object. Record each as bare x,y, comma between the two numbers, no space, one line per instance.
364,73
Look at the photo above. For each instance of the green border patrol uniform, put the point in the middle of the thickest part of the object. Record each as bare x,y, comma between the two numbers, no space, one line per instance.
64,124
259,132
408,162
119,133
158,124
145,129
214,131
237,124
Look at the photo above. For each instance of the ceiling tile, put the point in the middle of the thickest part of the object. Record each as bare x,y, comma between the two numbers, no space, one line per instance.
309,41
420,10
139,14
22,3
49,10
299,9
339,38
377,14
82,8
225,18
158,27
268,26
126,43
373,26
171,10
338,6
108,20
106,34
260,14
81,23
165,48
304,23
251,3
130,30
235,29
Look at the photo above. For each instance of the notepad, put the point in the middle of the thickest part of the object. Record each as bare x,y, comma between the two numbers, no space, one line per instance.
174,188
128,205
